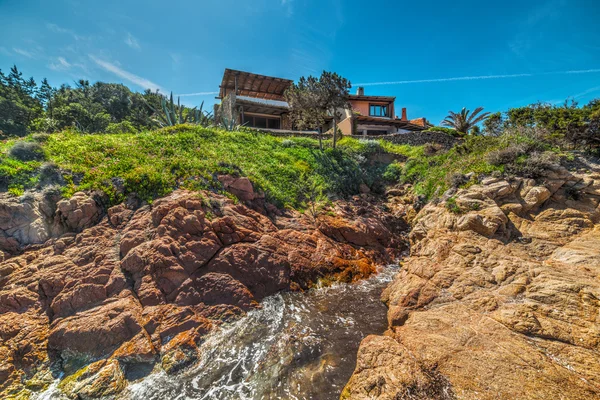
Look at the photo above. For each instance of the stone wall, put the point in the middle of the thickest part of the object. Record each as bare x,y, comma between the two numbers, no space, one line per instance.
417,138
412,138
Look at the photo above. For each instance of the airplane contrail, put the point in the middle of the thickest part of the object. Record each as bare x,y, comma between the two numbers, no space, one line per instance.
479,77
197,94
459,78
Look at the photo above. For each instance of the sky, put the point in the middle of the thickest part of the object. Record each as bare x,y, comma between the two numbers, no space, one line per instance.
434,56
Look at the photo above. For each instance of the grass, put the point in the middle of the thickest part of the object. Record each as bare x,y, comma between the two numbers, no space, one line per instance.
154,163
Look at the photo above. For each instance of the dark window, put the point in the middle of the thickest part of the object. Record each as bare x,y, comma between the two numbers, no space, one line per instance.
376,132
255,121
376,110
260,122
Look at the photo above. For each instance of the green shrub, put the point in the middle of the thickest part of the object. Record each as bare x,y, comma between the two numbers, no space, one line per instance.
393,172
447,131
45,125
287,143
453,207
16,191
121,127
27,151
40,137
457,180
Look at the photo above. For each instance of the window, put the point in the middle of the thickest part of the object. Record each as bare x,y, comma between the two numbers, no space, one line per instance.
377,110
256,121
376,132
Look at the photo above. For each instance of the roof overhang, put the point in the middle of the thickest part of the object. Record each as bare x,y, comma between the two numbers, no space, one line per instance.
261,106
389,99
253,85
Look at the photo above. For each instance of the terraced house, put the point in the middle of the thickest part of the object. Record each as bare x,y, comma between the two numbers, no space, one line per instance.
258,101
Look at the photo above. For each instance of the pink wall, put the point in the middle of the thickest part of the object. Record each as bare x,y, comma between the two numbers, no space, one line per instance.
362,106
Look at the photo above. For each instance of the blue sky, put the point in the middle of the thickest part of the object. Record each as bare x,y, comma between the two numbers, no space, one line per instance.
434,56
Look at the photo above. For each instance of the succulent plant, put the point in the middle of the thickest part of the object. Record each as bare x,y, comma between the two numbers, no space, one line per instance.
174,114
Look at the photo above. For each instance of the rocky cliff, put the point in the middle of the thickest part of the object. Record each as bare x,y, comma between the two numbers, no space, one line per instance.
99,296
499,299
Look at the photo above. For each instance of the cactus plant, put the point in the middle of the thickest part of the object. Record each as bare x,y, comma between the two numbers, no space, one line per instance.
174,114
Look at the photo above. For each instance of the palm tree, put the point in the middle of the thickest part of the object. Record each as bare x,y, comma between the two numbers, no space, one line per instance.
465,120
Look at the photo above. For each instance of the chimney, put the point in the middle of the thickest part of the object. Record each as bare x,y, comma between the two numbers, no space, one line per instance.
404,118
360,91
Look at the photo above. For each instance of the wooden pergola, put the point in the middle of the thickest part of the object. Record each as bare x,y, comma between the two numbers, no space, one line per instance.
253,85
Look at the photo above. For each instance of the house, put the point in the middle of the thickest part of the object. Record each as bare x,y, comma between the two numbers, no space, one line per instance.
376,115
258,101
254,100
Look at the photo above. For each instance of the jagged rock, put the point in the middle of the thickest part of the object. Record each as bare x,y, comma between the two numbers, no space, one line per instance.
536,196
97,380
387,370
38,216
144,285
494,307
240,187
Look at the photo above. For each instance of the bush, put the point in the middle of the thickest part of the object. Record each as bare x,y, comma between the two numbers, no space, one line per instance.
40,137
447,131
46,125
535,166
121,127
393,172
505,156
493,124
370,145
453,207
27,151
457,180
287,143
50,175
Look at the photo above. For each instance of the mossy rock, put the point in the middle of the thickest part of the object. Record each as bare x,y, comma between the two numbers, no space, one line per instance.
100,379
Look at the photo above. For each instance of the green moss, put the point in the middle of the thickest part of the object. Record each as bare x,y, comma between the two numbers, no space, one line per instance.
67,383
453,207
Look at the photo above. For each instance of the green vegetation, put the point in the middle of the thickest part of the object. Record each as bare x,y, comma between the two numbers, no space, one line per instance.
178,114
465,121
92,108
153,163
313,100
305,173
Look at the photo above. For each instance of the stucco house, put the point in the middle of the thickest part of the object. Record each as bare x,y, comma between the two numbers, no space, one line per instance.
258,101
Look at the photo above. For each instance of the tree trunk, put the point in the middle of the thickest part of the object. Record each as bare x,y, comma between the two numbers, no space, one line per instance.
320,139
334,130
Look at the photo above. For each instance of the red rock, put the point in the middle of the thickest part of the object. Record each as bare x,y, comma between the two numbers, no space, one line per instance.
131,288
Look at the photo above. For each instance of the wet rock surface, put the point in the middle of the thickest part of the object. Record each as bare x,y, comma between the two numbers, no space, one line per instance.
110,294
498,300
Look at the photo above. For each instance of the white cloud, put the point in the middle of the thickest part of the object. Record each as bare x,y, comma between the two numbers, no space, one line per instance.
60,64
24,53
59,29
132,42
128,76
